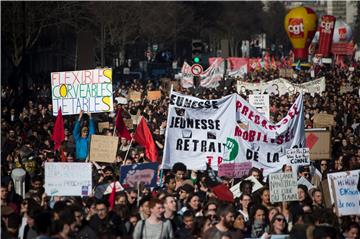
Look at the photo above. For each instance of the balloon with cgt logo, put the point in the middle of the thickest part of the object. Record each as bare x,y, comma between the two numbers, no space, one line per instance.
300,25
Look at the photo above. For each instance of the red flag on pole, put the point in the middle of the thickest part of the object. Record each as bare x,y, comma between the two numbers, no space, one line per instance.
112,196
58,131
121,127
144,138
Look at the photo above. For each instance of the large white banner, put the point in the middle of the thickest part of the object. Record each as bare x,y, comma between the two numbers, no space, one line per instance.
198,130
230,131
68,179
263,142
282,86
88,90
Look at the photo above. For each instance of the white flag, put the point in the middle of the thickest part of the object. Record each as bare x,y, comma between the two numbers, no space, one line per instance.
187,78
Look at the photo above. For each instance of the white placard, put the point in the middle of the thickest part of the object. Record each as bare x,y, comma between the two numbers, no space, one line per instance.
283,187
88,90
346,195
332,176
68,179
298,156
262,103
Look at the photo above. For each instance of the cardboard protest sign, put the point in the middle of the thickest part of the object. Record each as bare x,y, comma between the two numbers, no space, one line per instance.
318,141
261,102
234,170
286,73
88,90
153,95
68,179
131,175
103,148
298,156
236,188
283,187
324,120
346,186
103,125
346,195
135,96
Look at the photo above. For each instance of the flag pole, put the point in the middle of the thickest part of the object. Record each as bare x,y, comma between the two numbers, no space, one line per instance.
162,169
127,152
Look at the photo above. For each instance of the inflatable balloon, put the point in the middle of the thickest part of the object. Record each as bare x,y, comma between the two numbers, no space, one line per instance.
342,32
300,25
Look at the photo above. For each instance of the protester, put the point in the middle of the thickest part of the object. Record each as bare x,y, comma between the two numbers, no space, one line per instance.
188,207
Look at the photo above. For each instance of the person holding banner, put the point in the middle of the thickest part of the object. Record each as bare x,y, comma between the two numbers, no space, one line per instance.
82,137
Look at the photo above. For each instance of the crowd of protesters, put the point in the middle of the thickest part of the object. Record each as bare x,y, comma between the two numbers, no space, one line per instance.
185,206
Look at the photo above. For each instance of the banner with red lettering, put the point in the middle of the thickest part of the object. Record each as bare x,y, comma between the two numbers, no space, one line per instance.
326,34
229,131
264,143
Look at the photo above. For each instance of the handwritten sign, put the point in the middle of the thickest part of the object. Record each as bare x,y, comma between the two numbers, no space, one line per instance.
88,90
338,175
283,187
103,148
262,103
68,179
103,125
298,156
318,141
153,95
346,195
131,175
234,170
135,96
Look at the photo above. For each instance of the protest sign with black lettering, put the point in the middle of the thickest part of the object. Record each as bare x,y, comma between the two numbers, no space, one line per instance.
200,131
131,175
346,195
298,156
68,179
283,187
262,103
88,90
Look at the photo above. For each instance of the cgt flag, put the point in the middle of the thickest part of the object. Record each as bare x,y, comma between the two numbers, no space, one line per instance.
144,138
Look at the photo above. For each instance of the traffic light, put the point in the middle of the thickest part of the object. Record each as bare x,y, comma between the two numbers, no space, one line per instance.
197,48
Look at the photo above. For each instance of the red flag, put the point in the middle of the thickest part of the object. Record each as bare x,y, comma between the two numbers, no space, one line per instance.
144,138
221,191
112,196
121,127
58,131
